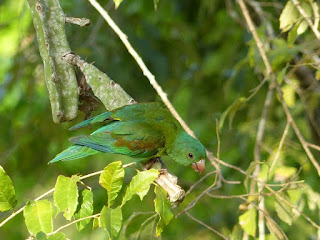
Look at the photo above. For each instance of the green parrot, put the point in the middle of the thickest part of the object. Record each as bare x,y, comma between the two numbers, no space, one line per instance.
143,131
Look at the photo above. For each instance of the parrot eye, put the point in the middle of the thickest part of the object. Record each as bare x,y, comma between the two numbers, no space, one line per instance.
190,155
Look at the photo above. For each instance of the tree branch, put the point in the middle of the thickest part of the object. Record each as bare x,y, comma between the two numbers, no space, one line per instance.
49,22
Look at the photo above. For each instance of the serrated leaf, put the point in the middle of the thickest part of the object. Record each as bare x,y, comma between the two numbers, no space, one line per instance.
163,208
283,210
140,184
288,16
85,208
231,111
111,179
117,3
66,195
111,221
7,193
247,221
38,216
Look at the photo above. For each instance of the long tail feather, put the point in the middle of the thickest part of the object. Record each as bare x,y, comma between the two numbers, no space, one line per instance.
73,152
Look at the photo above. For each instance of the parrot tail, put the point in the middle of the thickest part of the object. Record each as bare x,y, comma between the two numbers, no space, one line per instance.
73,152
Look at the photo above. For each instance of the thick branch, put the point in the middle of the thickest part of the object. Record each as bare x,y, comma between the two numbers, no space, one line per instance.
110,93
49,22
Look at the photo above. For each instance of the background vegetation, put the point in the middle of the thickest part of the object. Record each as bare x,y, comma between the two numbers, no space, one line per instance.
205,58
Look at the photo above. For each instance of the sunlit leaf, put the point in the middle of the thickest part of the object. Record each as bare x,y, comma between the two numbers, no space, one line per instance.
248,220
96,223
140,184
163,208
117,3
66,195
111,179
303,24
86,208
56,236
111,221
38,216
289,16
273,228
313,197
289,95
283,210
283,173
7,193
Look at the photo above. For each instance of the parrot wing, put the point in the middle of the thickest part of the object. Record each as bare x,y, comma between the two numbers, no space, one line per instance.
134,139
134,112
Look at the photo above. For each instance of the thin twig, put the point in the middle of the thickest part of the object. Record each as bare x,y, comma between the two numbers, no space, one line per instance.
205,225
141,64
73,222
276,157
273,80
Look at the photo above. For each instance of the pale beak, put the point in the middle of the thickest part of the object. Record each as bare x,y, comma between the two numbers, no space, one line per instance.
199,166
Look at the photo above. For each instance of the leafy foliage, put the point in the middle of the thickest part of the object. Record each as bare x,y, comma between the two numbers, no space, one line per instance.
111,179
66,195
7,193
38,216
209,65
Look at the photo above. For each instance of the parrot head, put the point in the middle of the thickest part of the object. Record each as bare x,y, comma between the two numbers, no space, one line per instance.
187,150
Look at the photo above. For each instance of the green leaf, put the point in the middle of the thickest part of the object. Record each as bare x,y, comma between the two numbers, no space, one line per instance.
288,16
250,170
7,193
117,3
292,35
66,195
140,184
247,221
111,179
96,223
303,24
111,221
289,95
41,236
231,111
283,210
163,208
57,236
85,208
38,216
281,75
283,173
236,233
